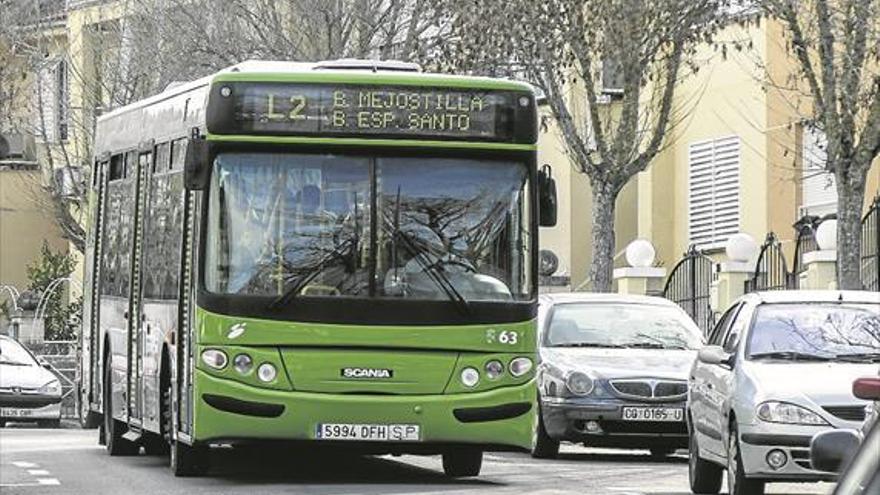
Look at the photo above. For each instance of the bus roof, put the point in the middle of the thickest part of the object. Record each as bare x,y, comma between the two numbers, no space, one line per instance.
353,71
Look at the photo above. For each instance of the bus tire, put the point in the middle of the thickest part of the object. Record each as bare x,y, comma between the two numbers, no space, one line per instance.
114,429
462,463
186,460
155,444
88,419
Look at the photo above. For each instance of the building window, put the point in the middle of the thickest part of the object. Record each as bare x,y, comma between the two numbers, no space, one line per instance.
713,191
818,187
53,107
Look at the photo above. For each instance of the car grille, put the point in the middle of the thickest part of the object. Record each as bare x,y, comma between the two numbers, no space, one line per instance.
643,389
848,413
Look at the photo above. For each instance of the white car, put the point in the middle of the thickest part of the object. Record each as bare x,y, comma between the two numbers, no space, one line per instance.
778,369
28,391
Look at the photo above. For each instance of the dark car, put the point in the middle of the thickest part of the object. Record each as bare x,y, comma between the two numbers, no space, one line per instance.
613,372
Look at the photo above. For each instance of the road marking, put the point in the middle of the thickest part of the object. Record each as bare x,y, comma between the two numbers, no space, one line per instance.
48,481
38,472
24,464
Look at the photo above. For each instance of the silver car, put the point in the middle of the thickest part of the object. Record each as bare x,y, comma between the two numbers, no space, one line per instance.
613,372
778,369
28,391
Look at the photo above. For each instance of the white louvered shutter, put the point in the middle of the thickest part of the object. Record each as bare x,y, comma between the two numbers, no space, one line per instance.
713,191
818,186
45,104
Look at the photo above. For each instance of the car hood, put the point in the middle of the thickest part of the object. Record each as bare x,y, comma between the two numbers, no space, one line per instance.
822,383
622,363
24,376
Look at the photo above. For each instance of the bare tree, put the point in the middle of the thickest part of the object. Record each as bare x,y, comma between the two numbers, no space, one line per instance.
572,49
837,47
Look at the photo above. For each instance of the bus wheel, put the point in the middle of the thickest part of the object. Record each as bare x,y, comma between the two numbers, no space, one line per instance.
114,429
154,444
186,460
461,463
88,419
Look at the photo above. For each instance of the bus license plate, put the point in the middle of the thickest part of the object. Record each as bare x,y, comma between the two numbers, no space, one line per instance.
653,414
375,433
15,413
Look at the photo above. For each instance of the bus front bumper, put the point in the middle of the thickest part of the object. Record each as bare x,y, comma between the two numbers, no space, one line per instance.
500,419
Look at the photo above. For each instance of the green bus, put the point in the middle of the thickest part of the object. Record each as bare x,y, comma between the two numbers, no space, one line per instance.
340,253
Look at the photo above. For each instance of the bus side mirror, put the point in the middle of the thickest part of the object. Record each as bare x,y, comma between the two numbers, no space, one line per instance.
195,164
547,203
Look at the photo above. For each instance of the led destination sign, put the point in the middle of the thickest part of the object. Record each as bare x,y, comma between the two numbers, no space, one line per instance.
346,110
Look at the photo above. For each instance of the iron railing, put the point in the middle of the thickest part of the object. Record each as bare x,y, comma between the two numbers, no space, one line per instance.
61,358
869,269
688,285
771,270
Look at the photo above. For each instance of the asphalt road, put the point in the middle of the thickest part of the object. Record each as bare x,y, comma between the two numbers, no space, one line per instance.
69,461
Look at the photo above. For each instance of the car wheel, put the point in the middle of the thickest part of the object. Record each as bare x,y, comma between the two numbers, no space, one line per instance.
704,476
2,423
543,447
737,483
113,429
462,463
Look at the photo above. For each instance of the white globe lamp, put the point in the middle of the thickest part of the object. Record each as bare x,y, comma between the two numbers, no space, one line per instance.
826,235
741,247
640,253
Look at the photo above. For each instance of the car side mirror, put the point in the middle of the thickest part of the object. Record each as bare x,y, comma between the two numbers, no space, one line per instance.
714,354
547,201
196,169
830,450
867,388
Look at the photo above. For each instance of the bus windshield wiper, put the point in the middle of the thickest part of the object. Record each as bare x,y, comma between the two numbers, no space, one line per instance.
791,355
294,290
436,273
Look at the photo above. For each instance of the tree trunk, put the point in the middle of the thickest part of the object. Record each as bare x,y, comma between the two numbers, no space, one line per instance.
850,201
604,197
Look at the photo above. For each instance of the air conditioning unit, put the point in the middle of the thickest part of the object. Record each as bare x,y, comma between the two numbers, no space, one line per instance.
12,146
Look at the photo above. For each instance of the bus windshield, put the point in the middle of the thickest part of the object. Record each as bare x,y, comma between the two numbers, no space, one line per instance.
355,226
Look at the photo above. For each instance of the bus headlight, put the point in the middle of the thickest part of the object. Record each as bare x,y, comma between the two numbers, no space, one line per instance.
494,369
267,372
520,366
243,363
215,358
470,377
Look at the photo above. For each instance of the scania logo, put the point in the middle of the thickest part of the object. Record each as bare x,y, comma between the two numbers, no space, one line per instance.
367,373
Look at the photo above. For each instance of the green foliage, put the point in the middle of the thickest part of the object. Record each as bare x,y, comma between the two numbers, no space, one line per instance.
61,319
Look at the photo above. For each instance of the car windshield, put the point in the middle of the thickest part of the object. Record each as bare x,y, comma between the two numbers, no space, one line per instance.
621,325
339,225
825,331
12,353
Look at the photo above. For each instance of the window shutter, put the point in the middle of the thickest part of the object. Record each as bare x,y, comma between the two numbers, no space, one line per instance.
819,189
46,104
713,191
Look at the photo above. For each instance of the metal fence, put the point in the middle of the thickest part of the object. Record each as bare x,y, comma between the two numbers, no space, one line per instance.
771,270
688,285
61,358
870,255
804,243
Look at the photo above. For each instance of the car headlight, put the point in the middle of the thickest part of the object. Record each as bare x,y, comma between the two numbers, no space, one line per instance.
783,412
579,383
51,388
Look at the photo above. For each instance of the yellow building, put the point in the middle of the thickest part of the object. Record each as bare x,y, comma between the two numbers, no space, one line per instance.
744,159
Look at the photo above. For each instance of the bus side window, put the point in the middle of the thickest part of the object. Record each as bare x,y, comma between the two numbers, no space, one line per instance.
178,153
117,168
163,157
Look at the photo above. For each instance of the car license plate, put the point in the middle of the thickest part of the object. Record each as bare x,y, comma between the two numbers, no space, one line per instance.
8,412
653,414
368,432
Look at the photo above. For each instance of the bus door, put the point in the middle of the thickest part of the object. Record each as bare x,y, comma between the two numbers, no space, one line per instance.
137,319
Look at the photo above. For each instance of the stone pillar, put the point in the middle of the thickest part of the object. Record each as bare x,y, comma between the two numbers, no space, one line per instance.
821,273
730,284
640,280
